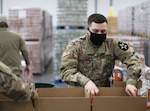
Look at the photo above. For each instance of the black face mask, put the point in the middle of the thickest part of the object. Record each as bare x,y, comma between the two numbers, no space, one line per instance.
97,39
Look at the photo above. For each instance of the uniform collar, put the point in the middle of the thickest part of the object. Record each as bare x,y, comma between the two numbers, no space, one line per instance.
94,50
2,29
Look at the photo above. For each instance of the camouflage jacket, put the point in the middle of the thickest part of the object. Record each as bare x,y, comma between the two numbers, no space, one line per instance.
13,86
82,62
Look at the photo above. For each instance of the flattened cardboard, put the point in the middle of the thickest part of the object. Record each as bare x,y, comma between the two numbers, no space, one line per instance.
61,99
7,104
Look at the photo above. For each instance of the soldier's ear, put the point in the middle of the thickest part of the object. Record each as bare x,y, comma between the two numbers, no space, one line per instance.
87,28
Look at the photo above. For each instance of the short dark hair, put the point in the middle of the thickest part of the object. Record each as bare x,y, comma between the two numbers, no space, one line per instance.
97,18
3,25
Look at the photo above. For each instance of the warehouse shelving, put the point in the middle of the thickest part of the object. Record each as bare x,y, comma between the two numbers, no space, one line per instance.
71,23
134,21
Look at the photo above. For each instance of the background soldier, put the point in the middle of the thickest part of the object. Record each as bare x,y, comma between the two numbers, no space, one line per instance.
11,44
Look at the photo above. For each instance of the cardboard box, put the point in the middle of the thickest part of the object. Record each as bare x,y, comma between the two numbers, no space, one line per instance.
116,99
7,104
123,84
76,99
61,99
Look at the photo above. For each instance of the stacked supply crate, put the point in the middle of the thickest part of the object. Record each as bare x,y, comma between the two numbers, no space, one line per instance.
148,17
112,26
139,19
135,19
125,21
71,23
3,19
35,27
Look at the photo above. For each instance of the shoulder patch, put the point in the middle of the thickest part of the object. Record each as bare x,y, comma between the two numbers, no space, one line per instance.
123,46
65,53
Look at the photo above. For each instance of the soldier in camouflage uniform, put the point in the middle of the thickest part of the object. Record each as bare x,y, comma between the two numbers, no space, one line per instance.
11,44
14,87
89,60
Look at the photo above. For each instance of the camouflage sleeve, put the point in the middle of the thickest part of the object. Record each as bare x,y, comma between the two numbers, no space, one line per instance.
69,72
127,55
14,87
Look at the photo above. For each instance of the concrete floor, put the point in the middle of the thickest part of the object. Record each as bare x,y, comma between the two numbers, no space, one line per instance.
48,76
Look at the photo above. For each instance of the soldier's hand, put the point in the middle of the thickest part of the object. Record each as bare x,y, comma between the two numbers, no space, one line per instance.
91,88
36,95
131,90
27,69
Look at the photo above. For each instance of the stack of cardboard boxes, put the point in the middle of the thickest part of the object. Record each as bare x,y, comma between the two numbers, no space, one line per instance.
134,20
112,26
71,23
35,27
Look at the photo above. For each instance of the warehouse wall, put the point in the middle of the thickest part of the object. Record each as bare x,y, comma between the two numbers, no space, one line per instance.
103,5
51,6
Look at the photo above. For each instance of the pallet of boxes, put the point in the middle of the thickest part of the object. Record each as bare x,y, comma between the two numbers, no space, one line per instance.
35,26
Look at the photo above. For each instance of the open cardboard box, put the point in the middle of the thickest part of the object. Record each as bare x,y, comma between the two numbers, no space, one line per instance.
116,99
61,99
123,84
76,99
7,104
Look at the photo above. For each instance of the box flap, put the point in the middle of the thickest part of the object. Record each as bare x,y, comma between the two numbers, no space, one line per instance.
123,84
7,104
62,104
61,92
110,91
4,97
61,99
116,103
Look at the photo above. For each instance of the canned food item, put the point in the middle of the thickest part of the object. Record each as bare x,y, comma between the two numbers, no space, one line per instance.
148,99
117,75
